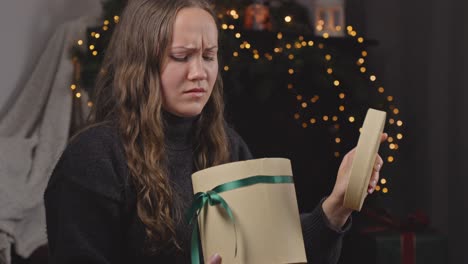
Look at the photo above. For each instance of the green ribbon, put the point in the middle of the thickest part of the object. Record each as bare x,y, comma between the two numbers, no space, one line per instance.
213,198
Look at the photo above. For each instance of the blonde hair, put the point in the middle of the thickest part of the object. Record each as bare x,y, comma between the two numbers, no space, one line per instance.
129,91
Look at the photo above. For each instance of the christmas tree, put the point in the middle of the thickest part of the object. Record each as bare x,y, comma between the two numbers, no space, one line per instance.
289,92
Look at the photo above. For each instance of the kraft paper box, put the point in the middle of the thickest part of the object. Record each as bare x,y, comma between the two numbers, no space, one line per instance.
267,222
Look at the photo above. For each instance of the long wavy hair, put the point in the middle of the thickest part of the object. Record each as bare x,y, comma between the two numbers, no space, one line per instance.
128,90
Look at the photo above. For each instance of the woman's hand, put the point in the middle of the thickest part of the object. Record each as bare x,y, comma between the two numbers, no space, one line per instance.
333,205
215,259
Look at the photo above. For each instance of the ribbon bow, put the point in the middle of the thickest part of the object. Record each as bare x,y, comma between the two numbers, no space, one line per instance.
213,198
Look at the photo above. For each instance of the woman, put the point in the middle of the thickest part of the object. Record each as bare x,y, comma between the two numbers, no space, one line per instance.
118,193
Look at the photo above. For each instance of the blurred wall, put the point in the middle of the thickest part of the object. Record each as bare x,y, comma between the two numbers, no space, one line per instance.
422,58
25,27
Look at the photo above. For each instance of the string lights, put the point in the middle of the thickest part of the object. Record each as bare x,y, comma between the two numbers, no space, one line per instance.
309,112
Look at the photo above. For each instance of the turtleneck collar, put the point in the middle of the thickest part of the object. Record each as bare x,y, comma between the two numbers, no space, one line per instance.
178,131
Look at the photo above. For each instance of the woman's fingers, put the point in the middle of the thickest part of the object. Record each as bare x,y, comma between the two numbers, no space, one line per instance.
215,259
375,174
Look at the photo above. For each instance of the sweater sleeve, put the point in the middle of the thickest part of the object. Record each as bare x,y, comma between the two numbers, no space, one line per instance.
83,207
322,242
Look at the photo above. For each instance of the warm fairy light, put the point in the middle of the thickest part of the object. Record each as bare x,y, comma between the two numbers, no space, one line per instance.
287,19
326,35
226,68
238,35
391,121
235,54
95,53
389,98
351,119
315,99
392,146
224,26
399,136
364,53
296,116
399,123
390,159
90,104
321,46
303,43
377,188
105,28
335,118
373,78
329,70
385,190
268,56
231,27
325,118
337,154
349,28
341,95
299,97
291,56
313,120
341,108
93,34
383,181
73,86
290,86
78,95
279,35
337,140
91,47
363,69
116,19
256,56
319,27
390,139
304,125
338,28
360,39
247,45
288,46
304,105
396,111
97,35
336,83
361,61
80,42
233,12
310,43
291,71
381,90
106,22
328,57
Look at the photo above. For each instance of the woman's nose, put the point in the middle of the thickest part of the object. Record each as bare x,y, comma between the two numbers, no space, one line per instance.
197,70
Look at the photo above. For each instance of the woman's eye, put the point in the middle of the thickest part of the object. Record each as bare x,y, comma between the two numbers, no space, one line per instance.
209,58
179,58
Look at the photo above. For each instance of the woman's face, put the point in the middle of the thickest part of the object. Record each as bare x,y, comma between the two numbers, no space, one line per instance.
190,68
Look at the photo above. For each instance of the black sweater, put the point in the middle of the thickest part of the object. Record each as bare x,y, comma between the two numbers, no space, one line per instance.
91,202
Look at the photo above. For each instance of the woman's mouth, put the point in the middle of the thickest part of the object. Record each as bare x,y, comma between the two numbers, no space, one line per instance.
196,92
